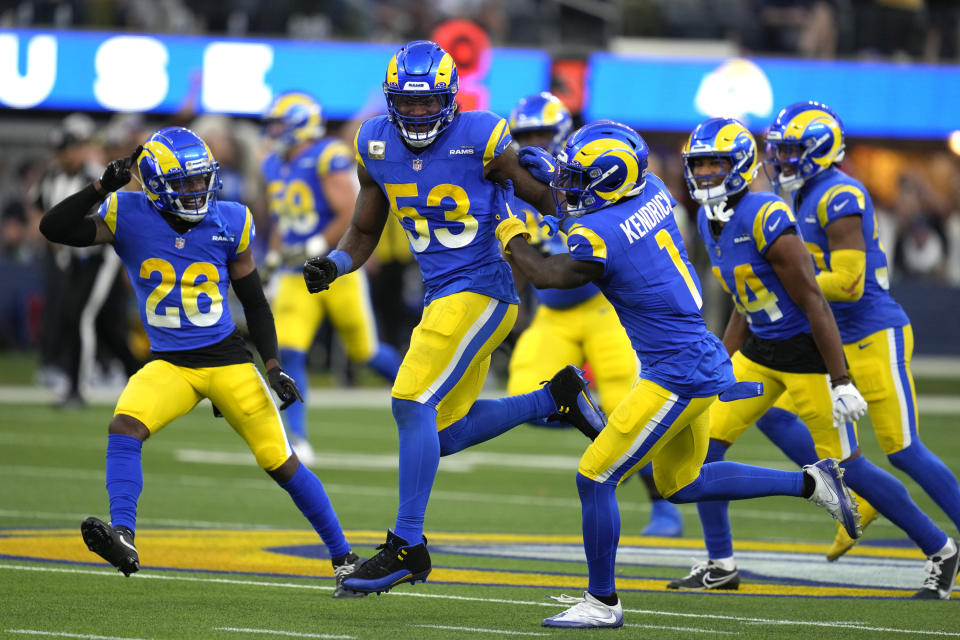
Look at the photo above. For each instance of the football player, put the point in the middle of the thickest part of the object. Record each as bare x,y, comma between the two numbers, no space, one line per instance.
311,191
182,248
573,325
621,235
782,333
440,172
836,217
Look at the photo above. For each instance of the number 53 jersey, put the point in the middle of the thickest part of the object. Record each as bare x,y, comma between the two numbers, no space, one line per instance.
448,210
180,279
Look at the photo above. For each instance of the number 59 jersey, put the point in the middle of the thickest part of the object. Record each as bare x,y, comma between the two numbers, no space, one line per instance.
448,210
650,282
180,280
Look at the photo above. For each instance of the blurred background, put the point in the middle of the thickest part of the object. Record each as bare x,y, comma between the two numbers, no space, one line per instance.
82,82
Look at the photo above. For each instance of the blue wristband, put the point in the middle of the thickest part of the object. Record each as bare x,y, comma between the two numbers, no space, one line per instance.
343,261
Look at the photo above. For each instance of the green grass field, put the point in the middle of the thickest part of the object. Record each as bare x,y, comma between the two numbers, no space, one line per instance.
227,555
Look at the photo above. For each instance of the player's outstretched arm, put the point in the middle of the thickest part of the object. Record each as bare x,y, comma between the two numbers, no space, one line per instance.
67,221
555,272
506,166
263,332
791,262
356,245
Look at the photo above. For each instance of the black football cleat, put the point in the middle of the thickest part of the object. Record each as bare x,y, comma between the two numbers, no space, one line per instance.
574,403
113,544
343,568
941,574
397,562
707,575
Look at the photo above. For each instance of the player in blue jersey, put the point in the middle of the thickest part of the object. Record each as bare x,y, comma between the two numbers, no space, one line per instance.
574,325
182,248
440,172
621,235
782,333
310,190
839,226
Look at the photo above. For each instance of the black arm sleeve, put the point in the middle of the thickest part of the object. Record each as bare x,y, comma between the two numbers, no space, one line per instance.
263,332
67,222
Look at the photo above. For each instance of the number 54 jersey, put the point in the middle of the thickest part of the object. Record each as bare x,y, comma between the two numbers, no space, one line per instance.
448,210
650,282
180,279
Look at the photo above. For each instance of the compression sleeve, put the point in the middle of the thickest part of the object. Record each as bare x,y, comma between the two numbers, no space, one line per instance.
844,281
67,221
256,309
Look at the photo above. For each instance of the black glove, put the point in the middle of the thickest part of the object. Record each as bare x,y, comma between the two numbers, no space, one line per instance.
285,387
318,273
117,174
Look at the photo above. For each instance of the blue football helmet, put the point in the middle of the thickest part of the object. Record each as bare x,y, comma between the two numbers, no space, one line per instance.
804,140
418,72
542,111
599,165
726,139
178,173
293,117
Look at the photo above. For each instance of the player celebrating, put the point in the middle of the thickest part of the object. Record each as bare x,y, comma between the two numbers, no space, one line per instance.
440,172
839,225
783,334
621,234
311,192
573,325
182,248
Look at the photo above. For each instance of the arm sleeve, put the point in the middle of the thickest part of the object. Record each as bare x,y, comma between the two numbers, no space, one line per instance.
256,309
67,222
844,281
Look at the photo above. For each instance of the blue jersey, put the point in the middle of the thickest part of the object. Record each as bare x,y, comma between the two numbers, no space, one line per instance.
739,263
553,243
181,280
446,207
650,282
295,188
823,199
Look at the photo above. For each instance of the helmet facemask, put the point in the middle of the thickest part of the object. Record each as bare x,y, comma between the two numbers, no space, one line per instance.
430,113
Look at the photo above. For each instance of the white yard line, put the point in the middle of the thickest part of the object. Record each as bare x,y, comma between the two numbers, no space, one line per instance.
479,630
853,624
292,634
64,634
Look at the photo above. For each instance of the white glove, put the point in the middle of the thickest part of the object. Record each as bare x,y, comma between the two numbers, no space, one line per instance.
848,404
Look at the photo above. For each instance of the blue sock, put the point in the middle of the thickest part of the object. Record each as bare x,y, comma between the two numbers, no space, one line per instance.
891,499
295,364
790,434
419,459
124,479
715,514
386,361
601,533
735,481
489,418
932,475
308,494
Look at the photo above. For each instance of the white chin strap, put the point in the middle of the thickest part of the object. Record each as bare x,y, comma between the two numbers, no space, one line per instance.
415,139
710,196
790,183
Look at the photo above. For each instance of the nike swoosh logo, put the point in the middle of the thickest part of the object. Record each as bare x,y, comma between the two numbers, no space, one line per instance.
837,207
126,544
865,345
709,582
772,226
574,247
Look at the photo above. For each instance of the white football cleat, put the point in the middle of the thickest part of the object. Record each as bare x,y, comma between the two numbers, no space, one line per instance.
587,613
832,494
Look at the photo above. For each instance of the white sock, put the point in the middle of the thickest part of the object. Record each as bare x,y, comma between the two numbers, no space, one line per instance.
948,549
727,564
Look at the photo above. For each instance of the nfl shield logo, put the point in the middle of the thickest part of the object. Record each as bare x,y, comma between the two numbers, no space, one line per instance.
717,250
179,243
417,164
